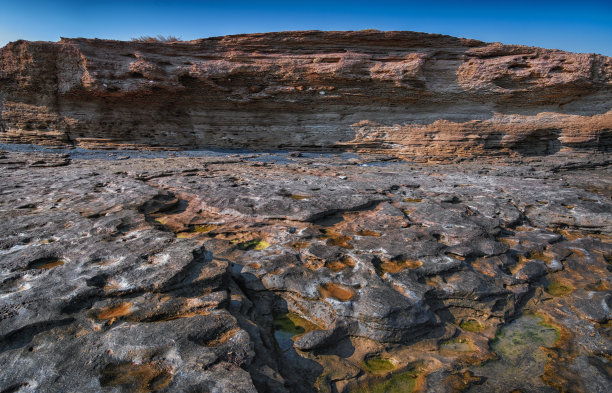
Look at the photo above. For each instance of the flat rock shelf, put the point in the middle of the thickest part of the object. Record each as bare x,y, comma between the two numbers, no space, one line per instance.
299,272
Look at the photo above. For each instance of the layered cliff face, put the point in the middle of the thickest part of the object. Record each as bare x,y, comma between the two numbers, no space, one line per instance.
411,94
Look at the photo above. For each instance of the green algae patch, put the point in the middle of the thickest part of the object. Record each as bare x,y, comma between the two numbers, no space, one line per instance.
472,325
550,329
402,382
287,327
293,324
521,358
457,345
256,244
285,324
378,365
527,333
556,288
398,383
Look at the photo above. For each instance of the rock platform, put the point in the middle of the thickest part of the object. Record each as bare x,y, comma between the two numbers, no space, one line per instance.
299,272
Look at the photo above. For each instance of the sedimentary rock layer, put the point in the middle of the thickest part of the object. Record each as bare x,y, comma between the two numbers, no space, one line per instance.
411,94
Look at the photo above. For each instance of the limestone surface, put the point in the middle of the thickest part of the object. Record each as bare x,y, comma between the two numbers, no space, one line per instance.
278,272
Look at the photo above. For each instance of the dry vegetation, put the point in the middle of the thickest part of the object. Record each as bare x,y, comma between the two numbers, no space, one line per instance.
159,38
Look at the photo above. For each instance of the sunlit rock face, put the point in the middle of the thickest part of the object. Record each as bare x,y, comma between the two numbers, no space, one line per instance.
414,95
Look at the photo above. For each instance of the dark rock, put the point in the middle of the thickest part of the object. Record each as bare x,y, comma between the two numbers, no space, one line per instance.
318,339
531,271
176,270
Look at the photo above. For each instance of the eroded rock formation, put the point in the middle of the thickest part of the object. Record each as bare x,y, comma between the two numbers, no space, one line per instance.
416,95
319,273
203,271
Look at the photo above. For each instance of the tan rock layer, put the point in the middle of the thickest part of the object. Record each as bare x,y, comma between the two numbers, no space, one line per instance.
411,94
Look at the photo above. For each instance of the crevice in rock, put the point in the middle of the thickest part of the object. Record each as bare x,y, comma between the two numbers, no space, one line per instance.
332,217
15,388
23,336
299,374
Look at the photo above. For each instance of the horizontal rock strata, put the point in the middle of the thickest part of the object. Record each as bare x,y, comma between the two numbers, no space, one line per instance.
410,94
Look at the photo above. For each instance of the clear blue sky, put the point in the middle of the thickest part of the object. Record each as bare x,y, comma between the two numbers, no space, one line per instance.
579,26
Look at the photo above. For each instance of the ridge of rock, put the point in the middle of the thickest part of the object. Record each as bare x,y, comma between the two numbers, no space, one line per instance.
414,95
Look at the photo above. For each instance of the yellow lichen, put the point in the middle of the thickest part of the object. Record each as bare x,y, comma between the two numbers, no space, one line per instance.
472,325
204,228
367,232
256,244
378,365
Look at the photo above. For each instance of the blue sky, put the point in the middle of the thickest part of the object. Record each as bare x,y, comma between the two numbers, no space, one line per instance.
579,26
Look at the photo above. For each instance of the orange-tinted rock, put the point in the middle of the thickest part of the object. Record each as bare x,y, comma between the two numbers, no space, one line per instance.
411,94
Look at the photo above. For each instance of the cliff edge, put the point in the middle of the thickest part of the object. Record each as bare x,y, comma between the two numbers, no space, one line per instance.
414,95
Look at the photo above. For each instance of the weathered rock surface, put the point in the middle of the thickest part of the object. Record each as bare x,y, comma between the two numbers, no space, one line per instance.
303,273
418,96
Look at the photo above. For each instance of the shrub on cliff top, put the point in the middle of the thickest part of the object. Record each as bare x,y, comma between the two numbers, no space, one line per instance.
159,38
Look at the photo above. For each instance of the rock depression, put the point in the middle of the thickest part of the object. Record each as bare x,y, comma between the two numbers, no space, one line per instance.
415,95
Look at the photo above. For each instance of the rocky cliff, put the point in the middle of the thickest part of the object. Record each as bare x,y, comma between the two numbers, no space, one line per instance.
411,94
